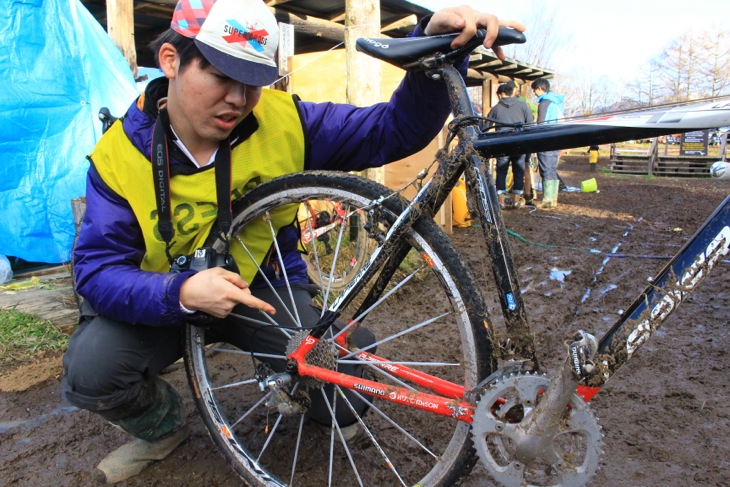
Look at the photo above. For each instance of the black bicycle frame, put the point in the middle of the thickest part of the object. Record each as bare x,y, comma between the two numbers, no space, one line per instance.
680,276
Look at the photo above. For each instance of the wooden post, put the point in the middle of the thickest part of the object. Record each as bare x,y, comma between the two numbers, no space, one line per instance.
487,94
653,155
362,19
120,27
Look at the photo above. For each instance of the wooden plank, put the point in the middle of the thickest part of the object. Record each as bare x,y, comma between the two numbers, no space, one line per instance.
52,300
362,19
120,27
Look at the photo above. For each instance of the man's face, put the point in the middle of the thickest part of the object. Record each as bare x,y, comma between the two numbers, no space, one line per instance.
205,105
538,92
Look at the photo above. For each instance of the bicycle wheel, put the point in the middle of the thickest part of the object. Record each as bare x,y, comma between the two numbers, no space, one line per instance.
335,242
430,317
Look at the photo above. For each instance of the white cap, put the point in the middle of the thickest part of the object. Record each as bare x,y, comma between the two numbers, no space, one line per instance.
238,37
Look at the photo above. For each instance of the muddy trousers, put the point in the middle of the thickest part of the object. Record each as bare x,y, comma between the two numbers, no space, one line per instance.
112,368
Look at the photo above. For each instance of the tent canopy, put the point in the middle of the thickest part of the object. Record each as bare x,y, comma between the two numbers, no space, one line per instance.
59,68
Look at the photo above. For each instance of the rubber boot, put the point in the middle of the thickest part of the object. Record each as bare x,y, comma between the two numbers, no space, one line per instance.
158,430
549,194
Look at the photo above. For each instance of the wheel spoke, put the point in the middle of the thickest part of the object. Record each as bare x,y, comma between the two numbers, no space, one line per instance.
282,269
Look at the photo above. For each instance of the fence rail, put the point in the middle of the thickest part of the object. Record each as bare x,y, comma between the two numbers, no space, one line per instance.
664,159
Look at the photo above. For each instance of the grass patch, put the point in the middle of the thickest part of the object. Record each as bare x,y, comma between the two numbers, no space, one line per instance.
24,336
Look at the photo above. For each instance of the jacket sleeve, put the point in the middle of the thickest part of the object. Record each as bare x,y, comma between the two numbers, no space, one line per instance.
107,259
347,138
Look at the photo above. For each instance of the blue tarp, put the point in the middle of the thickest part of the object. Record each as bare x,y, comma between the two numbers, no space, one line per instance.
58,67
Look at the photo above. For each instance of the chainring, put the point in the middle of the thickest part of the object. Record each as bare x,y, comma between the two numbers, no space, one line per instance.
506,404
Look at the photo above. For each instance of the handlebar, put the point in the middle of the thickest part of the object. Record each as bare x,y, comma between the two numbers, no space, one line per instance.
107,119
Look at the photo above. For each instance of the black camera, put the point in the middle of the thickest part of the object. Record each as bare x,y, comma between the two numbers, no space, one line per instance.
204,258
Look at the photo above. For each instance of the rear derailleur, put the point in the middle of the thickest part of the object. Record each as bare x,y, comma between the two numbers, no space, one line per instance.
276,384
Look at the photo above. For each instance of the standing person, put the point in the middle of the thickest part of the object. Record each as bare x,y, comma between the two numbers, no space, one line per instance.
510,110
210,122
593,157
549,109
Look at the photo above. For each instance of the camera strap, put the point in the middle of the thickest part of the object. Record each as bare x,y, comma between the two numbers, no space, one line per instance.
161,177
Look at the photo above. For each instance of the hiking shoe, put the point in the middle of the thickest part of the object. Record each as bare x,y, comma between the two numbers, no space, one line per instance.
131,458
352,433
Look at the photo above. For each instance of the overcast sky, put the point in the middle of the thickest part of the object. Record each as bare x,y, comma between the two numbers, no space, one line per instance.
611,36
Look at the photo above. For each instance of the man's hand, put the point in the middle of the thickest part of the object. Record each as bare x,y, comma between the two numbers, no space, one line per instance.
467,21
216,291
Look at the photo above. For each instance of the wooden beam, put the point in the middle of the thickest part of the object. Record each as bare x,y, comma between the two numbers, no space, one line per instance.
312,26
362,19
403,22
120,27
338,18
483,65
507,67
274,3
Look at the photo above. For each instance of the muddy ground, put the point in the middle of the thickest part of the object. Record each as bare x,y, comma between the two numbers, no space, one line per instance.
665,415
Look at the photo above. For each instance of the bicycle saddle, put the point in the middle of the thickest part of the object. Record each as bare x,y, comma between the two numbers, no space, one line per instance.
408,51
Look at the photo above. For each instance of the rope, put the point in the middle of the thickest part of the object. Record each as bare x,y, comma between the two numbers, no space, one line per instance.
595,251
347,27
548,246
310,62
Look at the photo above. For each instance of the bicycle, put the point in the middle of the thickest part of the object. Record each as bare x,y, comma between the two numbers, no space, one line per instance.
319,223
482,395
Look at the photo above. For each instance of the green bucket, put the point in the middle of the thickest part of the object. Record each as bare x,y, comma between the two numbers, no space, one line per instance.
589,185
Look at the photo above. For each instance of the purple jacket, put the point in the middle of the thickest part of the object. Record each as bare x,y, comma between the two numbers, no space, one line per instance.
339,137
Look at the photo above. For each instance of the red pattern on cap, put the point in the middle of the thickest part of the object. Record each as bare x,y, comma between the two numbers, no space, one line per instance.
189,16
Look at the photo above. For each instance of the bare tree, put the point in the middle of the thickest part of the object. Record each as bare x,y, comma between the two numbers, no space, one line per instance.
714,72
695,66
545,36
673,64
691,66
644,90
585,94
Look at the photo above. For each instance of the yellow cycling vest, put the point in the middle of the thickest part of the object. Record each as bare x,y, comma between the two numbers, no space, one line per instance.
274,149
